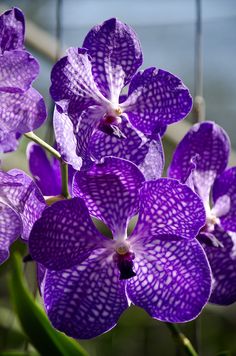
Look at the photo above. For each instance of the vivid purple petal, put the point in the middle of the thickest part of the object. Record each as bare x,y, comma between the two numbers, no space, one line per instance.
8,141
208,145
10,229
47,177
72,79
86,300
64,236
18,70
20,192
225,186
12,30
222,260
21,112
173,281
145,152
169,207
221,206
73,134
66,139
115,55
156,98
111,192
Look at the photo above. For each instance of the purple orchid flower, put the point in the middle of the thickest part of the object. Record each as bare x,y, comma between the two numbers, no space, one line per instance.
88,280
92,117
22,108
21,204
200,160
46,172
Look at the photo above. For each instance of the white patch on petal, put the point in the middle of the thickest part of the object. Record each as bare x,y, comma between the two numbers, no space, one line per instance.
222,206
233,238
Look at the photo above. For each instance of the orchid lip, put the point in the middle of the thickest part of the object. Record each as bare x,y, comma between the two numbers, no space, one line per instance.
123,258
211,221
125,264
110,119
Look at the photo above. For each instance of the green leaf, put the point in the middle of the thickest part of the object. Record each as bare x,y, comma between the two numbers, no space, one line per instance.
10,331
42,335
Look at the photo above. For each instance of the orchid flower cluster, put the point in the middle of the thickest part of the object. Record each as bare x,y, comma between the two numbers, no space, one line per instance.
182,252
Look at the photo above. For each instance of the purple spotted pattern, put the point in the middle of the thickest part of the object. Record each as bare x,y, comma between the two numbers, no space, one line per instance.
21,204
22,108
10,229
146,152
201,160
46,172
160,268
87,88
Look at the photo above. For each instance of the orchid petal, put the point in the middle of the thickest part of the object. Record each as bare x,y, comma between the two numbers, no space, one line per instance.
169,207
10,229
156,98
208,145
86,300
111,192
18,70
20,192
225,187
12,30
21,113
147,153
64,236
222,260
115,56
173,278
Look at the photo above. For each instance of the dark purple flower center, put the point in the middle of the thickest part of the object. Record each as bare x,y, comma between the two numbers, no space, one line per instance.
209,239
125,264
211,221
110,125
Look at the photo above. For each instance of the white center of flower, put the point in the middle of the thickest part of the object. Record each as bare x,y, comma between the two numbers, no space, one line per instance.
211,221
122,247
220,208
114,111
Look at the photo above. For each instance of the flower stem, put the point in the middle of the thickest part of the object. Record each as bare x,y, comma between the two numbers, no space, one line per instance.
64,167
64,180
182,339
31,136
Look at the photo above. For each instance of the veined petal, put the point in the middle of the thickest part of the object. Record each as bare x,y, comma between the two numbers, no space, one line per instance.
72,79
173,278
115,55
209,146
156,98
47,177
10,229
225,186
222,260
66,139
64,236
46,172
86,300
169,207
147,153
21,193
73,133
8,141
12,30
21,112
18,70
111,192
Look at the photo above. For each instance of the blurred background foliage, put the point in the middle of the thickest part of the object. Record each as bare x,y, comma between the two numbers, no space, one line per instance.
166,30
